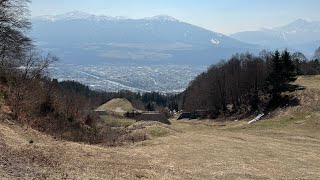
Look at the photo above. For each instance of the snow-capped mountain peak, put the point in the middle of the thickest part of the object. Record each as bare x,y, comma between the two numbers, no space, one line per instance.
79,15
162,18
300,25
300,22
76,14
67,16
300,34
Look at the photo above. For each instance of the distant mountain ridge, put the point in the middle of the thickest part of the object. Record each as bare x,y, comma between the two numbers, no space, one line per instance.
299,34
81,37
73,15
300,26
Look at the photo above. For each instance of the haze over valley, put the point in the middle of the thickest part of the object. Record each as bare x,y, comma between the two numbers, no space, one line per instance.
164,78
108,47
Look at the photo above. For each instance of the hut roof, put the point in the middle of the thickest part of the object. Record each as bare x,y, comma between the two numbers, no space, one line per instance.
153,117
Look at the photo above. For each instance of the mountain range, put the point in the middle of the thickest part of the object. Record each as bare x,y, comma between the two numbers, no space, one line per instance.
300,35
158,53
79,37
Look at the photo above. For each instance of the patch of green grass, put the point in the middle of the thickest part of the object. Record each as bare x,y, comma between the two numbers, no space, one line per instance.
118,121
158,131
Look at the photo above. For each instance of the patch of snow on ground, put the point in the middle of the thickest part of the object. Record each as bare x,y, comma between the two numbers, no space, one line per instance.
215,41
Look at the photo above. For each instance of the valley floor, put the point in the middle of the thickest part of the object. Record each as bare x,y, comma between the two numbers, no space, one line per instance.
285,146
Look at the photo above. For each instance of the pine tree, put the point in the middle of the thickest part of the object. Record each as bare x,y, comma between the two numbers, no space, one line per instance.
150,107
282,72
288,71
275,75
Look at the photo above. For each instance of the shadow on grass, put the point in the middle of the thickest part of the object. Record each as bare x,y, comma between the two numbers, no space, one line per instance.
286,100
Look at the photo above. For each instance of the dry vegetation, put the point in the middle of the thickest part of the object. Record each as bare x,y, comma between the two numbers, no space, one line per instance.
312,82
285,145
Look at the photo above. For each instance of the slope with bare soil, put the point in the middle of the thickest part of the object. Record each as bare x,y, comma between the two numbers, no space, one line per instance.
284,146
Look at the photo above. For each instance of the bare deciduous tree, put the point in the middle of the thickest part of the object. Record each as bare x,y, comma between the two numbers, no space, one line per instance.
13,24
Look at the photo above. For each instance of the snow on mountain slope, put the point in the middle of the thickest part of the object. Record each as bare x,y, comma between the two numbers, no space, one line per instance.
162,18
77,15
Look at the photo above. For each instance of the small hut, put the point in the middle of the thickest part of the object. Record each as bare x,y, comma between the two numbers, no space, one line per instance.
185,115
153,117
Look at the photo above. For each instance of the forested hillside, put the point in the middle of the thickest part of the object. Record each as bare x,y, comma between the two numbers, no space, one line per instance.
247,83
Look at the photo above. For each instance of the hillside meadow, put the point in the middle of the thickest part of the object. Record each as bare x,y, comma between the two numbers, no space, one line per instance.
283,145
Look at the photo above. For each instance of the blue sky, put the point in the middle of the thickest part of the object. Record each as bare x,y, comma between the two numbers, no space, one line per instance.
224,16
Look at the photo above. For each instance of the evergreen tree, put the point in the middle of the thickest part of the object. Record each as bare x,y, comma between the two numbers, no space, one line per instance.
275,79
150,107
288,71
282,72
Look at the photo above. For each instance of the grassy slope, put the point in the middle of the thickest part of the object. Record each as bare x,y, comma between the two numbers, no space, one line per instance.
117,106
286,146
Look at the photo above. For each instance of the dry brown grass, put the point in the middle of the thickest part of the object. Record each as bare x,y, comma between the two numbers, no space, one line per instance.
287,146
311,82
201,152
